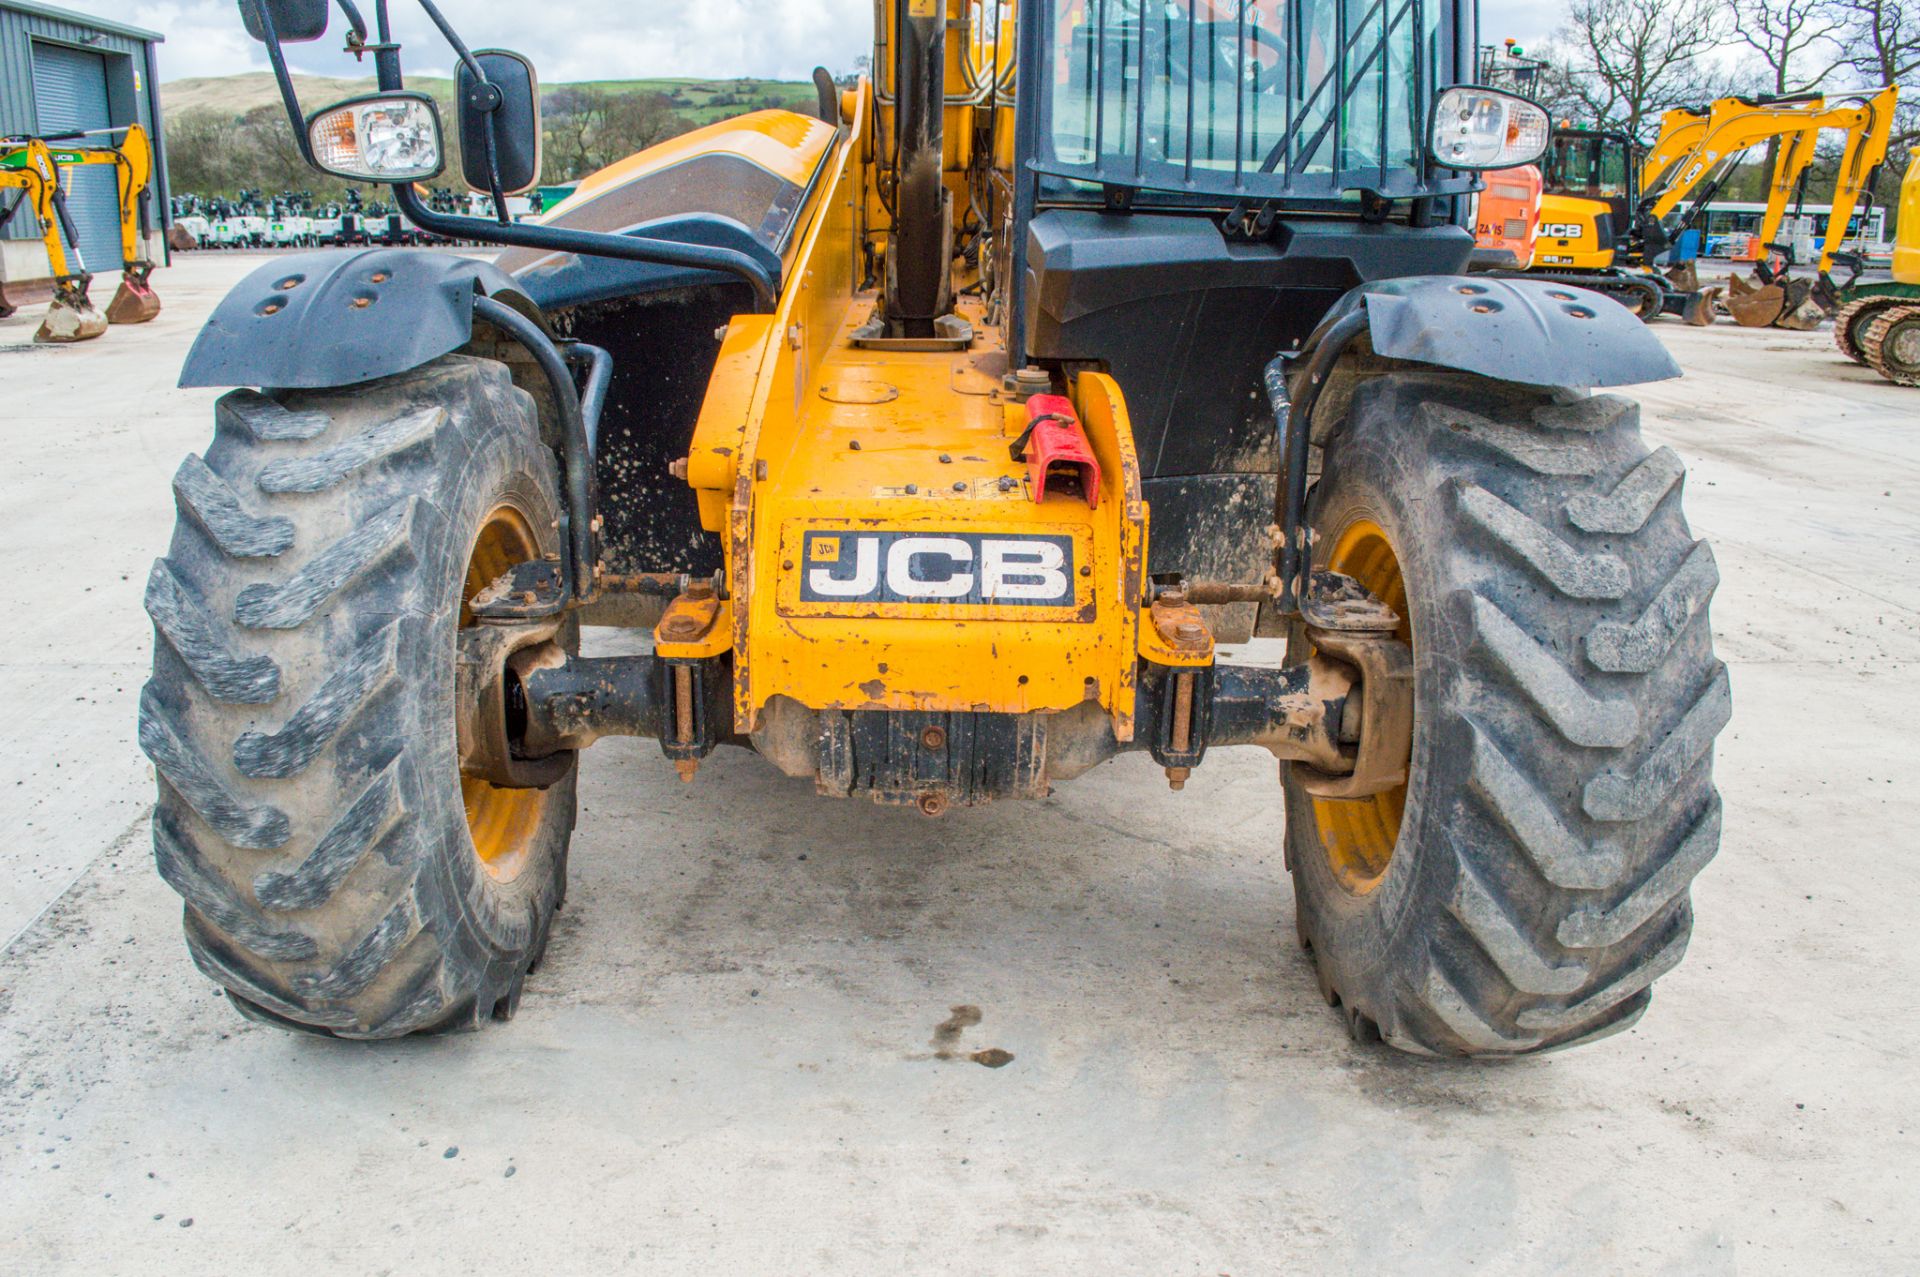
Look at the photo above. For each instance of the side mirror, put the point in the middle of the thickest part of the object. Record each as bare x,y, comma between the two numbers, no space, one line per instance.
510,99
293,20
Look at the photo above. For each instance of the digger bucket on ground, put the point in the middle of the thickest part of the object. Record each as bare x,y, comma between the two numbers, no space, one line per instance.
1804,309
134,302
1685,277
1699,307
70,317
1753,307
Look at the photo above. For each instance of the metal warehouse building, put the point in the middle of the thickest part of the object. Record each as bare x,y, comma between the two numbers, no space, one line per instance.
59,71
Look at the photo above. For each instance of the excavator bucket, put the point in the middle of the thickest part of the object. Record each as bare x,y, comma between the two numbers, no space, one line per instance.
1754,307
1803,308
134,302
1684,277
1700,306
70,317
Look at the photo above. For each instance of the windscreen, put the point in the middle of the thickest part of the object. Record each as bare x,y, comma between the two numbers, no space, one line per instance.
1261,99
1590,165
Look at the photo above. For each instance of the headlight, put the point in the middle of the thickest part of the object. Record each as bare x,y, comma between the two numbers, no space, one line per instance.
1476,128
391,138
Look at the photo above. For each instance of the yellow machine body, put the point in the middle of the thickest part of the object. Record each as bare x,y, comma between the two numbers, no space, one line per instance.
1569,235
1906,243
811,450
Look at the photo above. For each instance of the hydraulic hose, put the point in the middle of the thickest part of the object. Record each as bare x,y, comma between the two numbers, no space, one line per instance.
573,434
593,398
1293,420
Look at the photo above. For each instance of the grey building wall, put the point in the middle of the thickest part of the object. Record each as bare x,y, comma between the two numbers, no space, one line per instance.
133,96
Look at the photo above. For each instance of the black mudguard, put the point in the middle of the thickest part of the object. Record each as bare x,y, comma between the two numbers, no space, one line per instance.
338,317
1537,332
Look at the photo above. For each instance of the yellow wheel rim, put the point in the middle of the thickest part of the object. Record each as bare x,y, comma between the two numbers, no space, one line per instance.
502,822
1359,834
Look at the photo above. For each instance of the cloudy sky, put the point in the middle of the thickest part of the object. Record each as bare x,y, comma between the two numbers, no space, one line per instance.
776,39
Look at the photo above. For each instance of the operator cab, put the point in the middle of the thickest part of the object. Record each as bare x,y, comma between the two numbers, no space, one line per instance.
1241,166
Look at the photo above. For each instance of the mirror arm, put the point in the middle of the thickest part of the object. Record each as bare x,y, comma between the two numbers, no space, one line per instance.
453,39
494,188
386,59
288,98
354,20
386,54
630,248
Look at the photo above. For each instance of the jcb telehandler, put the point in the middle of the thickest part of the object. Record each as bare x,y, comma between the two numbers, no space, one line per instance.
939,442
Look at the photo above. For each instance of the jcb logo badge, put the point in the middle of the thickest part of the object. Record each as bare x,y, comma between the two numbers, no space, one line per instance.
990,572
1561,230
951,568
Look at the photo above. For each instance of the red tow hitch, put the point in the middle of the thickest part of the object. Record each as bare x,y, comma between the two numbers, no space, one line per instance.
1055,449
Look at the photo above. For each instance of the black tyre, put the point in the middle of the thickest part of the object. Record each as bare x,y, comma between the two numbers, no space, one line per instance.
1892,344
340,875
1529,883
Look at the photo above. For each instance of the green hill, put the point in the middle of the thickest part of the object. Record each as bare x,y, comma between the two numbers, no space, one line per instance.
699,101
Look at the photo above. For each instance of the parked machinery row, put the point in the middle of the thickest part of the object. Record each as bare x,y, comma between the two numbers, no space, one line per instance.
295,219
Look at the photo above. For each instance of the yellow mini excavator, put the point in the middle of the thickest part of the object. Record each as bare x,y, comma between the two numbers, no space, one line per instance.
1776,296
1605,216
1878,324
29,167
33,166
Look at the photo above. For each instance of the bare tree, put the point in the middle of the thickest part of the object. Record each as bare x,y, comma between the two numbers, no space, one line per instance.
635,121
571,115
588,129
1881,40
1798,40
1620,63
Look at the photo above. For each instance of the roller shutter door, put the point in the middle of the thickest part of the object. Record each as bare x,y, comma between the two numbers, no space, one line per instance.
70,92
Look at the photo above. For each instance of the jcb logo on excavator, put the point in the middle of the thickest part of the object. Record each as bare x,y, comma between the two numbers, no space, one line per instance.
948,568
1561,230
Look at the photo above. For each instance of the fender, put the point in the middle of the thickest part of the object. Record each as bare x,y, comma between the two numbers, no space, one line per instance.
1539,332
1535,331
338,317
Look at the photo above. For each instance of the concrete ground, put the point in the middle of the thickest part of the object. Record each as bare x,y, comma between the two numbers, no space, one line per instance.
725,1064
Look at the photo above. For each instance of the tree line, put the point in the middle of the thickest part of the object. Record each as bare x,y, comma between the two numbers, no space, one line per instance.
1619,64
